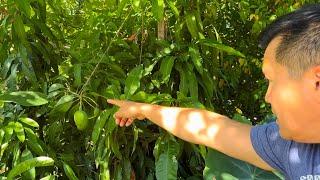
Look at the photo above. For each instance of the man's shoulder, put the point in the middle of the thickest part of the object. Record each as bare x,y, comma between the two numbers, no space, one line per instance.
293,159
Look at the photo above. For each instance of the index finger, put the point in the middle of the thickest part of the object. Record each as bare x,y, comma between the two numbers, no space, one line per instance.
115,102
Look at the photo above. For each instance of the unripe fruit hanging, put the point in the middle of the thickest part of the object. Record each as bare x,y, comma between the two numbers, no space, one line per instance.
81,119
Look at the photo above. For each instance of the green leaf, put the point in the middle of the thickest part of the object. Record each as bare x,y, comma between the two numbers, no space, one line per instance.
26,65
9,130
104,171
224,167
174,8
29,121
167,164
77,74
196,59
24,6
19,131
69,171
142,96
115,146
99,124
32,142
62,106
116,69
166,68
24,98
132,82
6,66
12,79
192,25
220,46
207,84
2,133
111,92
121,5
193,85
136,5
16,154
44,28
18,27
158,9
183,85
111,124
31,173
126,169
49,177
29,164
99,150
55,87
135,138
118,172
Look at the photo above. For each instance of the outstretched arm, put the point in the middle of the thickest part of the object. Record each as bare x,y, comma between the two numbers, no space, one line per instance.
196,126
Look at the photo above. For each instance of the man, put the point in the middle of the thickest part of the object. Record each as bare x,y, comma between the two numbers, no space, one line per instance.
292,66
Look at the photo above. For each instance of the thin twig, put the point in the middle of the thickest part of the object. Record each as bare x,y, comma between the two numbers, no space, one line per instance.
105,53
142,35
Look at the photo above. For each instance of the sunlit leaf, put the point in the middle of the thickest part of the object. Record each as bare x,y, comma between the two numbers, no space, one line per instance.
132,82
19,131
99,125
158,9
29,121
69,171
63,105
24,98
220,46
28,164
192,25
31,173
173,8
196,59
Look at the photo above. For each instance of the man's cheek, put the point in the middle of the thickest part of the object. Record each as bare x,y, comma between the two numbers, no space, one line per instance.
288,96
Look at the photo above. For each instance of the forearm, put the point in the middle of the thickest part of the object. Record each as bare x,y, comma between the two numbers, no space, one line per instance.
196,126
193,125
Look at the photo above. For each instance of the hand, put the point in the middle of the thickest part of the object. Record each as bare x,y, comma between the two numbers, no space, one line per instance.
128,111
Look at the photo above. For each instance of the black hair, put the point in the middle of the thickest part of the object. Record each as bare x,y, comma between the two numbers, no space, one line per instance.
299,48
291,24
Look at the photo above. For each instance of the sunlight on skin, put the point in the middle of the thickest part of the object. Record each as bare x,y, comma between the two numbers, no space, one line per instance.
212,131
169,117
195,122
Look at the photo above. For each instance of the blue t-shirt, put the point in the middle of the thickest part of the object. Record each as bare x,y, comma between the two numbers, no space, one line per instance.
294,160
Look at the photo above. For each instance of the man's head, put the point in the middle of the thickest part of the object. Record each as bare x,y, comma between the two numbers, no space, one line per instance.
292,66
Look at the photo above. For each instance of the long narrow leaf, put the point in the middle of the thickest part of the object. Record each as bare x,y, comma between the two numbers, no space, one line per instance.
166,68
158,9
132,82
220,46
29,164
167,164
25,98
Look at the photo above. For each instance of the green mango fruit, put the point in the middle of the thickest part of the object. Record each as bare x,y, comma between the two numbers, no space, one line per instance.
81,119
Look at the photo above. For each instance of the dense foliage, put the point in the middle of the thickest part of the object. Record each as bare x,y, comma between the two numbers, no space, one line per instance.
60,60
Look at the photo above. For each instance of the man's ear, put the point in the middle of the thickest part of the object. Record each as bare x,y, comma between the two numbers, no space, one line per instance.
317,83
317,78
